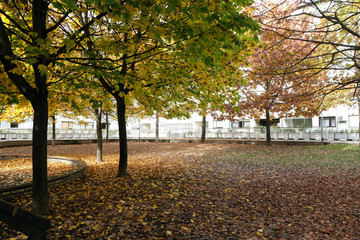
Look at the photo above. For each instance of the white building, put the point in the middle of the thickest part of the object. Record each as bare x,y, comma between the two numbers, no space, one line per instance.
345,118
340,119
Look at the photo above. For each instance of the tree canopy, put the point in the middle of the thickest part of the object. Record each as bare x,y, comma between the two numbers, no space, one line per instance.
123,44
332,26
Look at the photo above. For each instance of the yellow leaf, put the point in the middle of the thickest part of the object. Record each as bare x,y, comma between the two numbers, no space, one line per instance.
17,71
43,69
186,229
259,232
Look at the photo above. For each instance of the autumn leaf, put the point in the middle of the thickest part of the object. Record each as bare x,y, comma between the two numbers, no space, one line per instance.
217,192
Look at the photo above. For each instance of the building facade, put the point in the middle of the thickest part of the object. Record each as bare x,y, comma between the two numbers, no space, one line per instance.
342,119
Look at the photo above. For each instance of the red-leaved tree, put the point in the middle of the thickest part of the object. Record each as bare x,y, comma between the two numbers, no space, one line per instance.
281,77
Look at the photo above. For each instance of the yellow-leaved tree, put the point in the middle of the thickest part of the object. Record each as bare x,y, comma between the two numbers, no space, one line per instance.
131,49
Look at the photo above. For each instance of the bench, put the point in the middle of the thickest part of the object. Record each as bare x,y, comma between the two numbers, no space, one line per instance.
35,227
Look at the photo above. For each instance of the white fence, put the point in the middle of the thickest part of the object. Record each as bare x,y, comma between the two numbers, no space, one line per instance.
254,133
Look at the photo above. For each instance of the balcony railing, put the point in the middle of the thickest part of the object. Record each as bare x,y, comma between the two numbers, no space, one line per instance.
298,134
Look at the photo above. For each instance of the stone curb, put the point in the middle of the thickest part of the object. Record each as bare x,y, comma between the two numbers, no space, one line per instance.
78,171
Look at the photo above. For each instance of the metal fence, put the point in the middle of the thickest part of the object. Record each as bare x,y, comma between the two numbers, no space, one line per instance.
254,133
298,134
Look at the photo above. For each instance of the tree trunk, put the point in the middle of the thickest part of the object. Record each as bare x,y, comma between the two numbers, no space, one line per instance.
358,103
139,129
53,130
39,154
107,125
99,138
203,129
357,89
37,94
157,128
121,109
268,124
322,128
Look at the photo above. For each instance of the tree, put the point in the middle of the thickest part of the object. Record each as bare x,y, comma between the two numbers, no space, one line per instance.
210,98
98,113
37,94
66,96
153,35
281,79
332,27
98,100
87,99
108,113
34,36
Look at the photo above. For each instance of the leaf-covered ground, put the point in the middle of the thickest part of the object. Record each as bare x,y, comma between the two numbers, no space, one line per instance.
18,169
208,191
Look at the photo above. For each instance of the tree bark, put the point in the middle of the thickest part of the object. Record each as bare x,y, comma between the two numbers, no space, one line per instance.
39,152
107,125
157,128
53,131
268,124
203,129
41,204
99,138
358,103
123,161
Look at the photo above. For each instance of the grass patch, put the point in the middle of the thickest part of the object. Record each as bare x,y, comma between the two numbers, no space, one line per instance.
334,156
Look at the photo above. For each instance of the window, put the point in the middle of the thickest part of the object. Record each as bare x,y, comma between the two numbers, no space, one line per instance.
302,123
234,124
273,122
328,122
14,125
244,124
146,126
89,125
86,125
67,125
198,124
240,124
218,124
